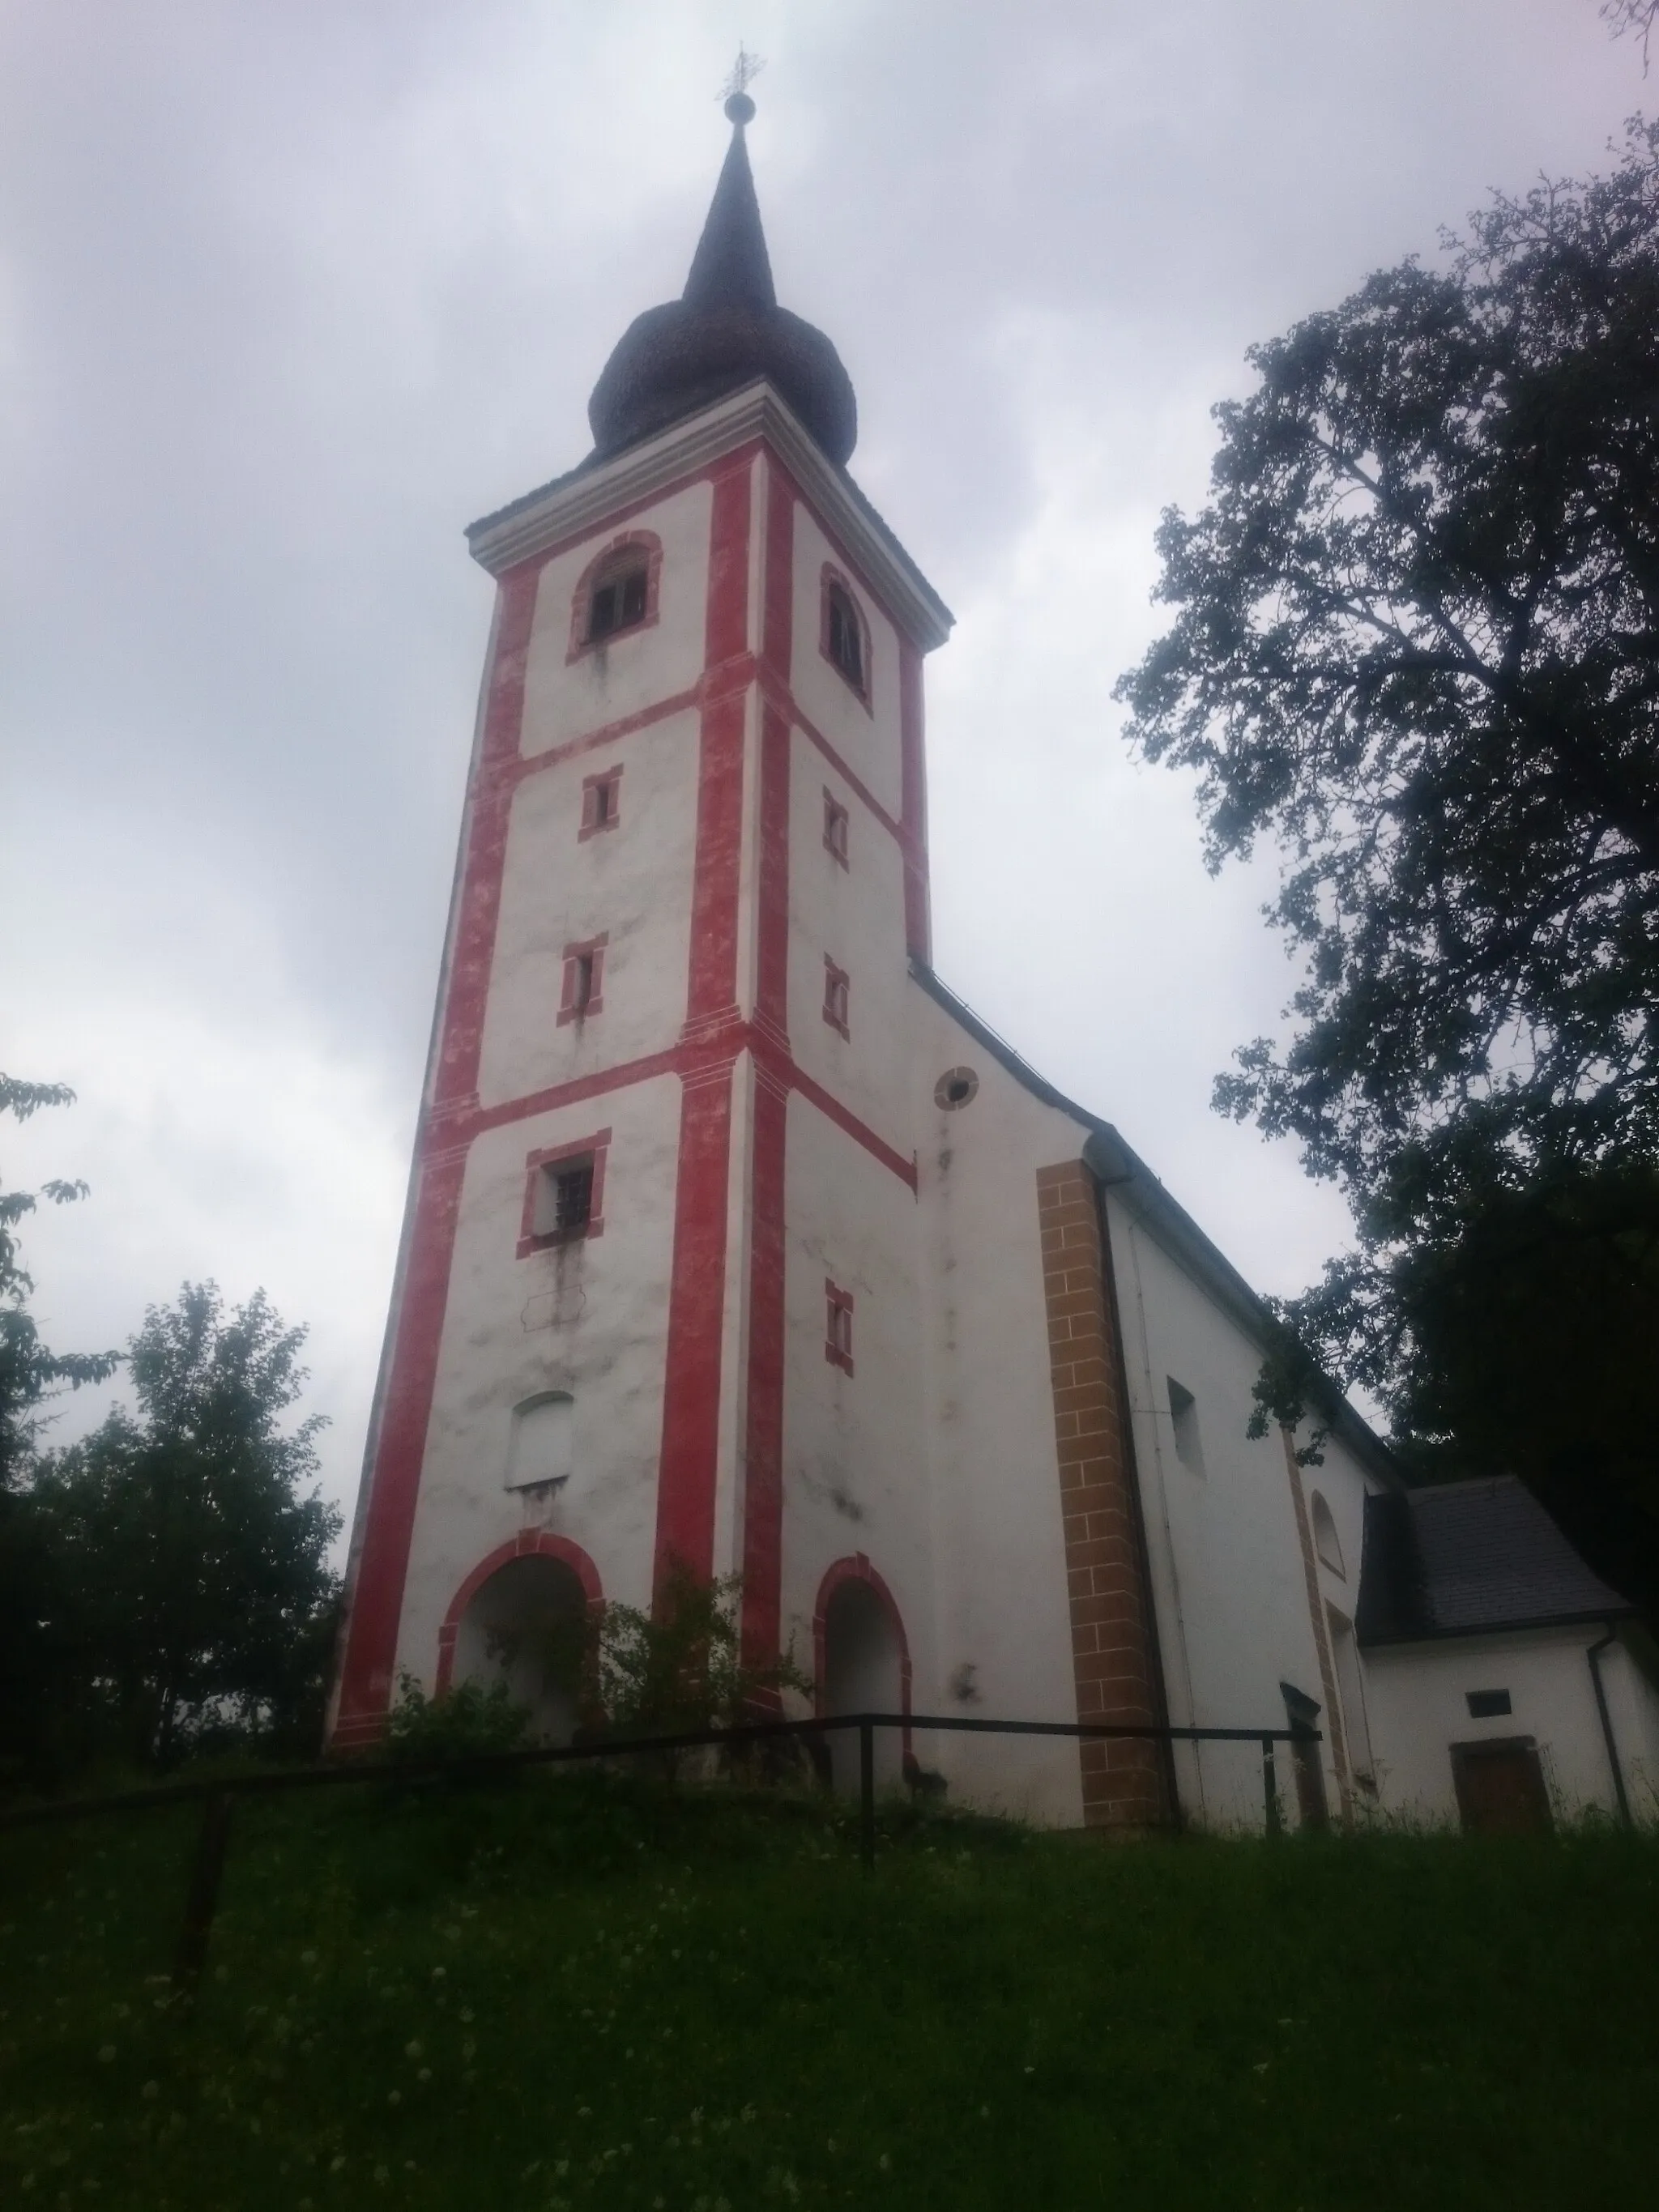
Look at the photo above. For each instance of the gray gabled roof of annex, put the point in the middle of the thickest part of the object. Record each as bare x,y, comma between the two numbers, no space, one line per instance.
1472,1558
1120,1168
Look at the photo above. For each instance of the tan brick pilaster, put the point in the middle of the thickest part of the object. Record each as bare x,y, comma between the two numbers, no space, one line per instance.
1112,1656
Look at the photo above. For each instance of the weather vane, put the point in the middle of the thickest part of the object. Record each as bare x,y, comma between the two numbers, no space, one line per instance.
735,91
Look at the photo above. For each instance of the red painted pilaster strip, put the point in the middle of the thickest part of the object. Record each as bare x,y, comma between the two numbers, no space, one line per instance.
468,988
377,1597
697,1313
778,614
763,1493
726,633
913,804
762,1471
772,919
377,1603
689,1468
712,982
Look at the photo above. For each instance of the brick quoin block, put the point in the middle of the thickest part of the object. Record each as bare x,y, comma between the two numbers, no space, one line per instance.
1110,1616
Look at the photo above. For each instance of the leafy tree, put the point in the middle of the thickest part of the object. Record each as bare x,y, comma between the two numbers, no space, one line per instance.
32,1655
1634,19
1416,642
197,1570
29,1373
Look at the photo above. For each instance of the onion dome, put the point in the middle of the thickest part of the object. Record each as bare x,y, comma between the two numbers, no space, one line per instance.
726,330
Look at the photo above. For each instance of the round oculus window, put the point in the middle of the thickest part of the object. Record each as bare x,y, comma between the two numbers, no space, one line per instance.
957,1086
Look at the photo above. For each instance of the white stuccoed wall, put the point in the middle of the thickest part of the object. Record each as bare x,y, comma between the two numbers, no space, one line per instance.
632,883
867,738
998,1542
855,1447
1416,1696
589,1318
638,669
1226,1560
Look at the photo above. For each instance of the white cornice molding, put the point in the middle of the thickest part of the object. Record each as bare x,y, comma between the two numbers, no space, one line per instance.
530,525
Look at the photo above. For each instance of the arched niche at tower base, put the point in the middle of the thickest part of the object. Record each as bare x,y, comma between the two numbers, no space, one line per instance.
522,1617
862,1663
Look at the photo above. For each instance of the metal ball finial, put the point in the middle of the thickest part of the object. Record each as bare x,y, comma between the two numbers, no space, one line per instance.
740,108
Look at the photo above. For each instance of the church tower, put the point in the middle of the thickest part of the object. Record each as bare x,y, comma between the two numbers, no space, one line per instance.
666,1176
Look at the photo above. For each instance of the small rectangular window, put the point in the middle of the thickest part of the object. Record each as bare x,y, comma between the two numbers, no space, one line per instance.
836,997
584,981
601,802
564,1199
564,1194
1487,1704
836,828
1183,1416
838,1327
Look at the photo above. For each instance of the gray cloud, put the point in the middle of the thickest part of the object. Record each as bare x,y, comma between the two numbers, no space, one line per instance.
288,292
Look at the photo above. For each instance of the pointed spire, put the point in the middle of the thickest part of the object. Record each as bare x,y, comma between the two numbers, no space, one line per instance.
731,267
726,329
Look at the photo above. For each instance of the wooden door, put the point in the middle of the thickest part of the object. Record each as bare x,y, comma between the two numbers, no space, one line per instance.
1500,1787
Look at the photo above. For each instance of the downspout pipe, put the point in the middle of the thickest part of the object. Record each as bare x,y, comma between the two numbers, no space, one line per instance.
1594,1655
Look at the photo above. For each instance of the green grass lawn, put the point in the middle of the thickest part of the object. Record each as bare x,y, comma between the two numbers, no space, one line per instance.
587,1993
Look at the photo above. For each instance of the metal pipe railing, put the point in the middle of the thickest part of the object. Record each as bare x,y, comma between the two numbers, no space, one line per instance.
217,1797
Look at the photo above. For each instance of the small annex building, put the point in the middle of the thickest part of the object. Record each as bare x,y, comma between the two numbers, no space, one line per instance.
735,1241
1486,1641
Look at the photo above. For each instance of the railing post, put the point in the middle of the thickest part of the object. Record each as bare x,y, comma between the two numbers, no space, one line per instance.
868,1794
1270,1787
203,1899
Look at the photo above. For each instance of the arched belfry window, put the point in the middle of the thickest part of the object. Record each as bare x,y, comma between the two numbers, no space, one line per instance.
846,635
1326,1542
617,592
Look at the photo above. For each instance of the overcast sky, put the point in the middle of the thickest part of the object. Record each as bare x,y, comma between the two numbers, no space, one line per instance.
291,290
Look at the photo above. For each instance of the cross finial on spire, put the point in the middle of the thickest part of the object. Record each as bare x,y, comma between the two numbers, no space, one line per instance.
747,67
